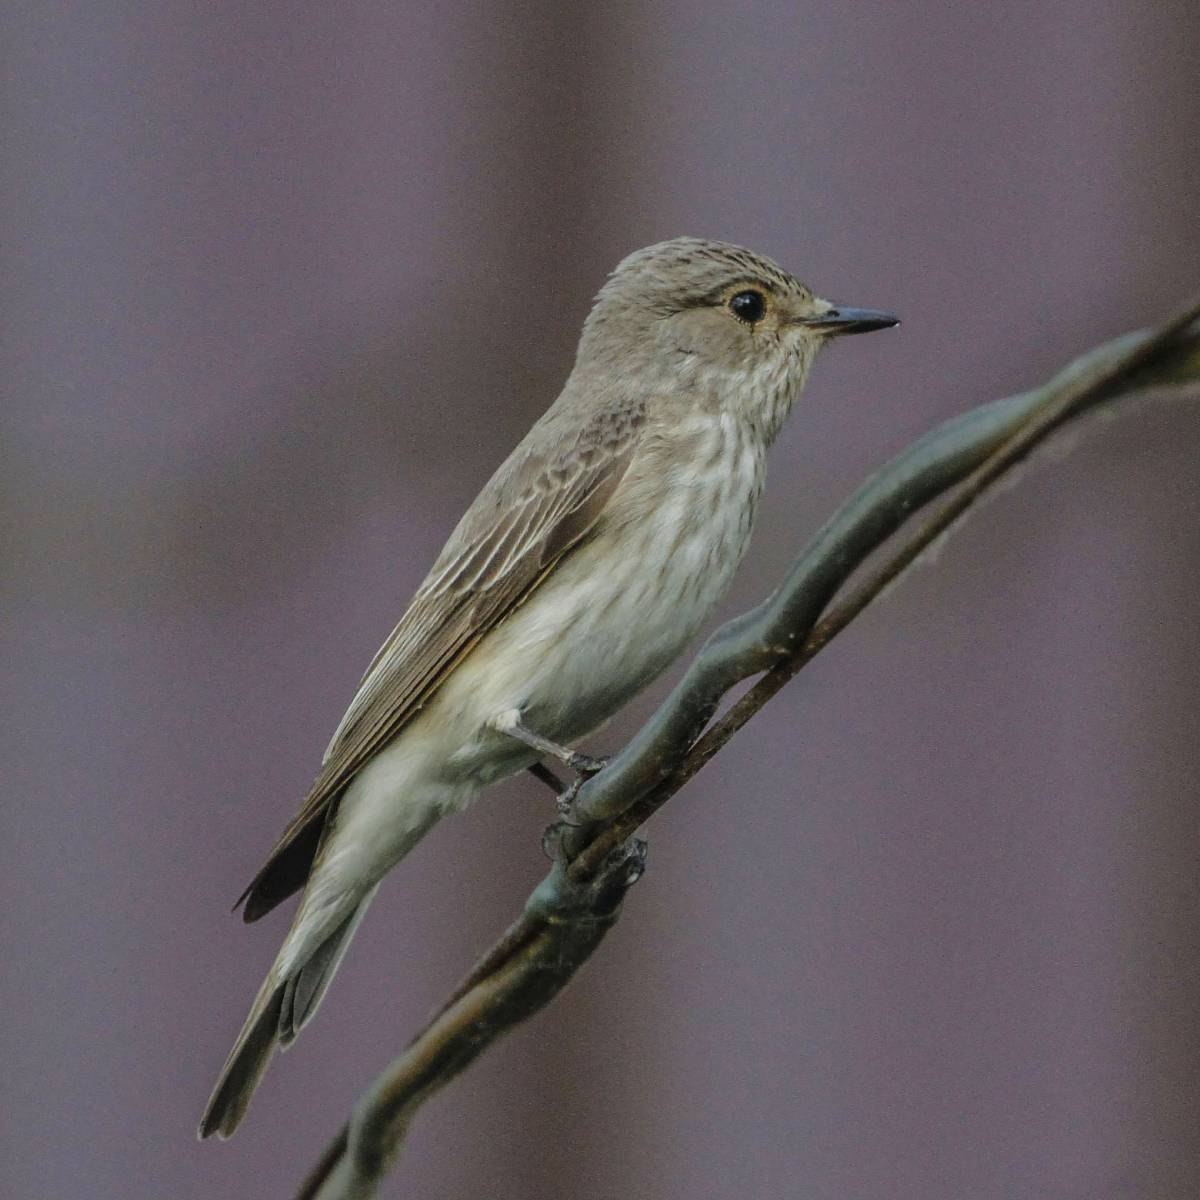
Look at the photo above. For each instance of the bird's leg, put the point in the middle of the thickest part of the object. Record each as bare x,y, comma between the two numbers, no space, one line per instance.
509,722
584,765
548,777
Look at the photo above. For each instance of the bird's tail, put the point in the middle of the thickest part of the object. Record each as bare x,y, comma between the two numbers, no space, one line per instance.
284,1004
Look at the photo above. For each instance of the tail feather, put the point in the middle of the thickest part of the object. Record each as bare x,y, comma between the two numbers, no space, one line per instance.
328,916
280,1010
245,1065
304,992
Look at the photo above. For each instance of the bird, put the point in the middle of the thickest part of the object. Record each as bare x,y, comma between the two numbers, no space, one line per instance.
581,571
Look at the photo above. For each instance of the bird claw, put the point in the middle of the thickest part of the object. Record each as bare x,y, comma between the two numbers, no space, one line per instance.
585,765
553,836
565,801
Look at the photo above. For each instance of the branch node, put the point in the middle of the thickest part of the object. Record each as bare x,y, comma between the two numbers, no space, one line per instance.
559,899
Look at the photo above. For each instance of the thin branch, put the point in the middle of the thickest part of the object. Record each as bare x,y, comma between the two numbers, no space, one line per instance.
571,909
570,921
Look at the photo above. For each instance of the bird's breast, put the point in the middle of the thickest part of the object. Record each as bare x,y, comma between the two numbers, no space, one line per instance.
616,611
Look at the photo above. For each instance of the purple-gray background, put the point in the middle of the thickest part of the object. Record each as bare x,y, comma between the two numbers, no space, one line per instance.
283,283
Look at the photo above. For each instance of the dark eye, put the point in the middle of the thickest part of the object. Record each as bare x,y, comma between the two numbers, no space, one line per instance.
748,306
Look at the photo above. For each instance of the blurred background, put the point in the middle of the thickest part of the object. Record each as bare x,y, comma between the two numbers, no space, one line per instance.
284,283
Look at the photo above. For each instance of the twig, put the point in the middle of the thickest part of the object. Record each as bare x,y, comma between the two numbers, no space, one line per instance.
569,912
570,920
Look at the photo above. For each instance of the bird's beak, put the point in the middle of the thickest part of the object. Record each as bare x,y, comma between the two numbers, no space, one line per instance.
841,320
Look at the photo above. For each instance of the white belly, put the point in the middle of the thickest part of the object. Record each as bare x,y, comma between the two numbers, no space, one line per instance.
609,620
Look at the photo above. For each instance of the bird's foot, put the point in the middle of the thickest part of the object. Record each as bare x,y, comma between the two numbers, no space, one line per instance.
555,837
509,722
584,766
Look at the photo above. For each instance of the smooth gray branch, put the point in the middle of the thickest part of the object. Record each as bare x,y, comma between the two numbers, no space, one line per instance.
570,911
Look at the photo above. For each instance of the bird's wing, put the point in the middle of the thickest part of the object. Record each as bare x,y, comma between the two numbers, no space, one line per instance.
537,507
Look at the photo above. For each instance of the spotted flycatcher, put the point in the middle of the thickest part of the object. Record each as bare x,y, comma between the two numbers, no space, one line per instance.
580,572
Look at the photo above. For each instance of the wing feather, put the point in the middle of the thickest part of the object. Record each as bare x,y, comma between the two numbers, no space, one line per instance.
537,507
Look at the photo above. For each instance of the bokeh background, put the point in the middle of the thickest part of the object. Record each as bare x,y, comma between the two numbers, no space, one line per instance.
283,284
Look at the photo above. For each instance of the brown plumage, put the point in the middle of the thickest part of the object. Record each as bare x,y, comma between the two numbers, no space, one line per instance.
577,575
536,508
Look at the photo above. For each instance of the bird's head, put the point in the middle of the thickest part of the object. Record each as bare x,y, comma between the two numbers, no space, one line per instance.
717,316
